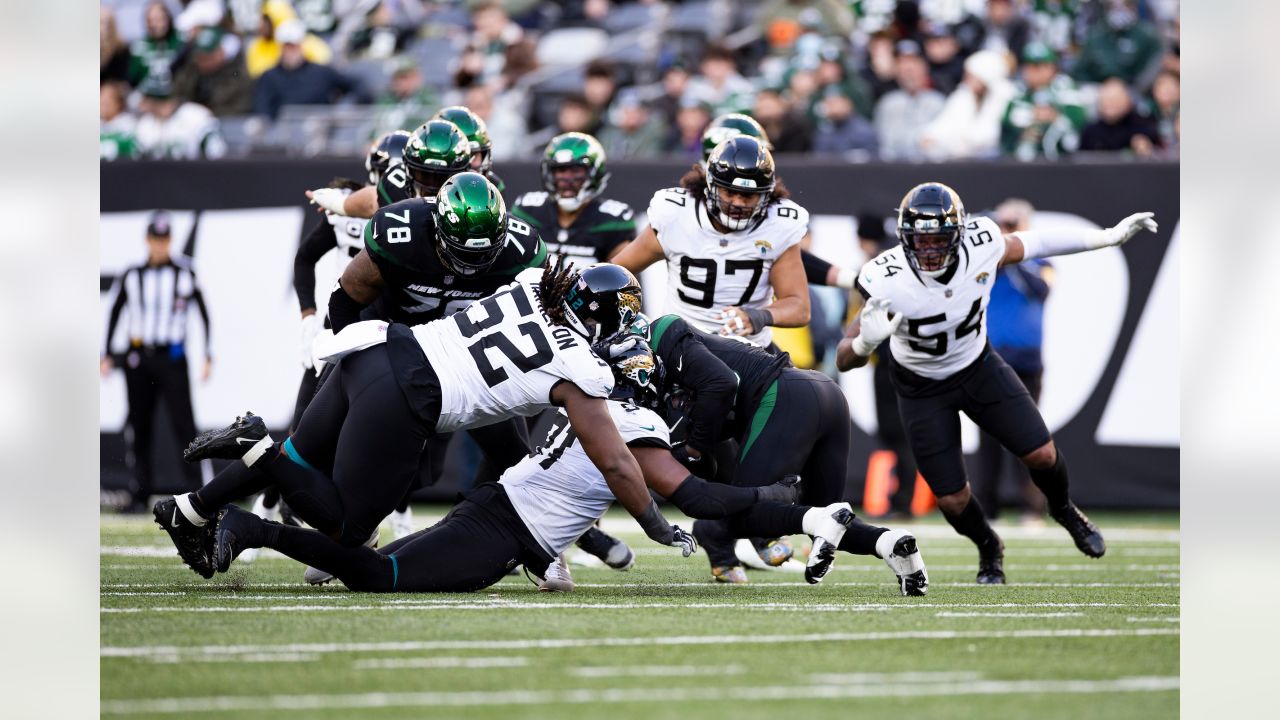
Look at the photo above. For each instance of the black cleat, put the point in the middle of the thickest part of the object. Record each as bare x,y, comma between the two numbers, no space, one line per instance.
1085,533
991,568
237,531
194,542
786,491
228,443
612,551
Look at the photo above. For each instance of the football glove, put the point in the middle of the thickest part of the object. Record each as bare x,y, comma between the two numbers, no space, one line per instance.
310,328
1128,227
683,540
876,326
330,199
704,466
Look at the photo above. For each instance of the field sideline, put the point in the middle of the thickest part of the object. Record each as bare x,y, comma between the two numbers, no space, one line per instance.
1070,638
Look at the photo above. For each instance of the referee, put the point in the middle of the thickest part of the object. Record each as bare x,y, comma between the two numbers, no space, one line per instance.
157,296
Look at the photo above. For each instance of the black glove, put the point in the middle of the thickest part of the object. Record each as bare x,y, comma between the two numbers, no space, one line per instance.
704,466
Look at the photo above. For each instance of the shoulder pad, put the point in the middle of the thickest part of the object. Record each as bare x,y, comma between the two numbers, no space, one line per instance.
667,204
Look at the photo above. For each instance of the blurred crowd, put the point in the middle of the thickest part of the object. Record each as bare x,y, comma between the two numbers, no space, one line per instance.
902,80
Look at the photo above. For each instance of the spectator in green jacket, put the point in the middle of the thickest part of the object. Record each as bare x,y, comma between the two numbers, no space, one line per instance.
1045,117
151,58
1123,46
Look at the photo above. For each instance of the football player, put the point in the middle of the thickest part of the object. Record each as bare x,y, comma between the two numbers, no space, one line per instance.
816,270
540,505
436,151
347,235
569,211
928,296
477,132
515,353
731,238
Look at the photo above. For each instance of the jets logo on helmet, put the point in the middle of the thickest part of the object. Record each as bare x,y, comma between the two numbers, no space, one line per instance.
437,151
740,180
931,226
471,223
573,170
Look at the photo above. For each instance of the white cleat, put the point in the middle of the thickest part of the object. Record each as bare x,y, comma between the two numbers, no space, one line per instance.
315,576
558,578
401,523
271,514
836,518
898,548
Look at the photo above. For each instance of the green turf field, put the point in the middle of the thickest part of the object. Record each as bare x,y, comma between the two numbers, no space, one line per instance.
1070,638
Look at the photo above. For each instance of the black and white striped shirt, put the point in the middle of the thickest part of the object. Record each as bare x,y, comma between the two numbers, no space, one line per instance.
157,297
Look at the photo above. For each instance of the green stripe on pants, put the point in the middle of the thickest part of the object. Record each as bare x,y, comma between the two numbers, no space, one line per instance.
761,418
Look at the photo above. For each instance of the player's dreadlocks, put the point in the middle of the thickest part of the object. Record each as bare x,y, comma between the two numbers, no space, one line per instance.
556,280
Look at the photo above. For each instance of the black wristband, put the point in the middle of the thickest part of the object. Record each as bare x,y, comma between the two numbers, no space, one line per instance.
343,309
760,318
654,525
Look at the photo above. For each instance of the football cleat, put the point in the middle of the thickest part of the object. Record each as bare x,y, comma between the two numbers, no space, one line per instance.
899,551
402,523
786,491
236,531
246,436
316,576
836,518
194,542
730,575
615,553
1083,532
991,567
557,578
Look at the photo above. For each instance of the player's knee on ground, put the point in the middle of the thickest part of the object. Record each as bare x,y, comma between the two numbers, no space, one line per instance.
1042,457
954,503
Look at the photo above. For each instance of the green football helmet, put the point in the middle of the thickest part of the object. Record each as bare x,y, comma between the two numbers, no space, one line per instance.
574,150
477,132
437,151
727,126
471,223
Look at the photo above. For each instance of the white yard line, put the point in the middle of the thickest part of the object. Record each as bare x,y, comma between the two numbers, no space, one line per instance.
1154,619
665,641
635,695
427,663
947,614
603,671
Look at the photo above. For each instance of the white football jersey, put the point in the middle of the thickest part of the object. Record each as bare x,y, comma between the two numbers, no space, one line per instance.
944,330
502,356
557,491
708,271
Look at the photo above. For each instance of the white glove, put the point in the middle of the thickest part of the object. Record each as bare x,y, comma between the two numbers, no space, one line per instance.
331,199
1129,227
310,327
609,351
876,327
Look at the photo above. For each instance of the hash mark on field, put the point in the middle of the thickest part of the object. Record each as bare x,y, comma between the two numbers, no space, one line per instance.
665,641
635,695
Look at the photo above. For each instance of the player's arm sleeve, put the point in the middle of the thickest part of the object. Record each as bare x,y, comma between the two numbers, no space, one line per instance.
717,386
320,240
116,308
815,268
198,298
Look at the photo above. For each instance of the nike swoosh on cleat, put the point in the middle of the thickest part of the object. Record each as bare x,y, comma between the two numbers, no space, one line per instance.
245,440
647,427
174,521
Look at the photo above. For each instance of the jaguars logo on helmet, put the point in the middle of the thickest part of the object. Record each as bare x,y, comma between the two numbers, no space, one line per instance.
606,299
638,373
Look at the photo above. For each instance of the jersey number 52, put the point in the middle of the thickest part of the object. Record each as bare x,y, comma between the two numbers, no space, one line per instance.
470,327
